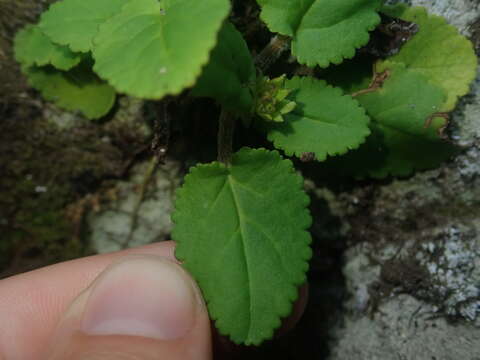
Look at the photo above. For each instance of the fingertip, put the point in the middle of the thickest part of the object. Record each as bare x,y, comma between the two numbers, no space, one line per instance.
143,306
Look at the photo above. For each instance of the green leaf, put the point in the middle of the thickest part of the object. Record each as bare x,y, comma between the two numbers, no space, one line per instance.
75,22
241,232
323,31
76,90
230,73
324,122
33,47
151,49
403,139
437,51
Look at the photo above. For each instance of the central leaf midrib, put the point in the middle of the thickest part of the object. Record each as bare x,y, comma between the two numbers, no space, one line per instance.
245,257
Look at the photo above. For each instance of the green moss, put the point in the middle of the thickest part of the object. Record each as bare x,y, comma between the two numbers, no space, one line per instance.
44,171
35,231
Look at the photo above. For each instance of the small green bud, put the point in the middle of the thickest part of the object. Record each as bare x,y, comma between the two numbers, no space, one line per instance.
271,95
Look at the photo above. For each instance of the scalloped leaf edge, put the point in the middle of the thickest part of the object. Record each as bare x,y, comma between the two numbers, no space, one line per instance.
302,273
340,92
188,83
49,61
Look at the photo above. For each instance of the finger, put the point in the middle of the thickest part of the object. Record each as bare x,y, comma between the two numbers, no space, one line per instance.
31,304
142,307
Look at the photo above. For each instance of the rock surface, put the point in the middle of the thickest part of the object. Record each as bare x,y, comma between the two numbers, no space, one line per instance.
404,329
128,220
413,267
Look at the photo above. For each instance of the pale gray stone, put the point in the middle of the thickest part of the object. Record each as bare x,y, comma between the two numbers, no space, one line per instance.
112,227
414,280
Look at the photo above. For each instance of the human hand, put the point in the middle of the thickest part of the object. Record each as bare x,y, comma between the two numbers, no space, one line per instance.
137,304
140,307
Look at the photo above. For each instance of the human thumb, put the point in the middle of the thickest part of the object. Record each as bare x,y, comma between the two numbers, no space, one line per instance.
140,308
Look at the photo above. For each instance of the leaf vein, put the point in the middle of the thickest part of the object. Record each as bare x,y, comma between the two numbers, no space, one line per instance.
240,215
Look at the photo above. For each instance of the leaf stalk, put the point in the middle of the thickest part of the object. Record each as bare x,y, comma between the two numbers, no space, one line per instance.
226,128
272,52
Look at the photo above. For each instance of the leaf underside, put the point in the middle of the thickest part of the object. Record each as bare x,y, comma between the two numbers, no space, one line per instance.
241,232
323,31
324,122
76,90
230,72
75,22
142,50
437,51
33,47
403,139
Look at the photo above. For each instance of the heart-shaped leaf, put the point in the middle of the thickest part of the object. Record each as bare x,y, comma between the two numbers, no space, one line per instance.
151,48
241,232
324,121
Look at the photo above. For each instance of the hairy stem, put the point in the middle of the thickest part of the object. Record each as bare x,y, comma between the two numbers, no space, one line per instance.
226,127
272,52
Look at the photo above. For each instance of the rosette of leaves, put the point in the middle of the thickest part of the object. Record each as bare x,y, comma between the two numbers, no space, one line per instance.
60,75
322,31
271,99
241,230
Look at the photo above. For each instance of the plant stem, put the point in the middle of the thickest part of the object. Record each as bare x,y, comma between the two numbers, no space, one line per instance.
272,52
226,127
152,167
226,123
